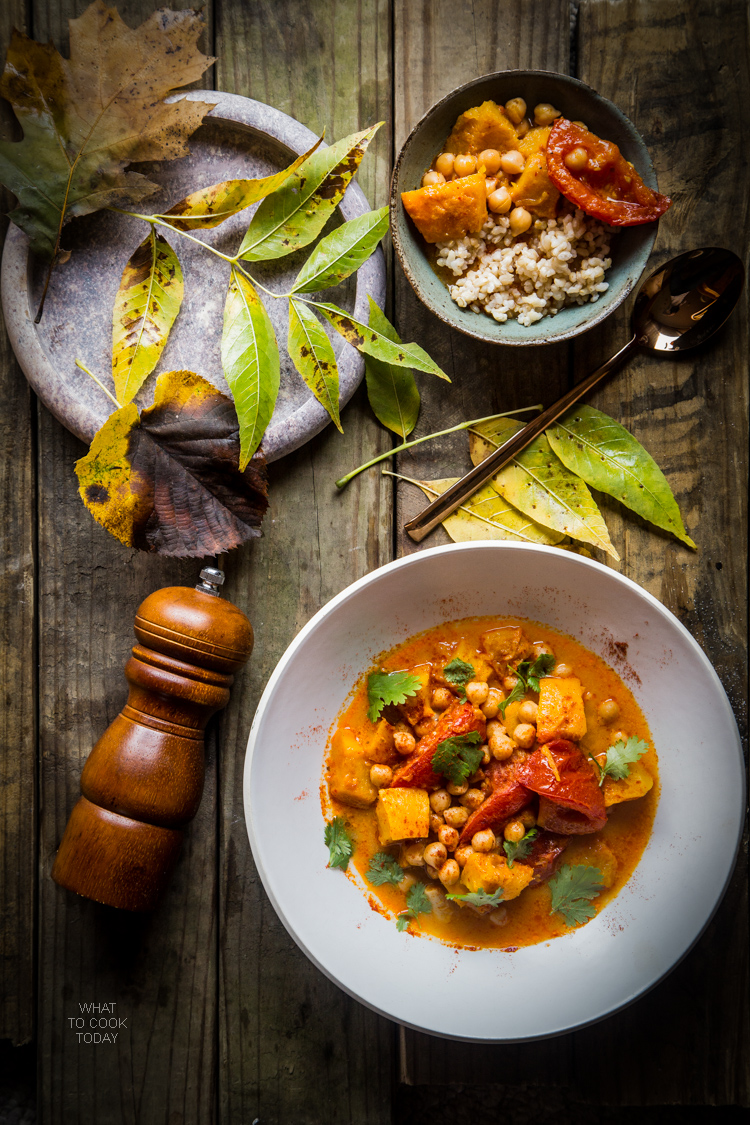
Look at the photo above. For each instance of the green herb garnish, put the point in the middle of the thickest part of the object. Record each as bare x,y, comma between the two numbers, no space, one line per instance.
480,897
384,688
384,869
458,673
339,843
521,848
417,903
529,674
572,888
457,758
620,757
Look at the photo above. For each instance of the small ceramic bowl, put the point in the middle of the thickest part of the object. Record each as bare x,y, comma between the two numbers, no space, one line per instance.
631,246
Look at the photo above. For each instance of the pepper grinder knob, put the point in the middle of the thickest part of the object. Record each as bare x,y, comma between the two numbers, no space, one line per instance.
143,781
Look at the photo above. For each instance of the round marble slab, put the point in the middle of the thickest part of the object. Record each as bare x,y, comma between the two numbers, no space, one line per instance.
240,138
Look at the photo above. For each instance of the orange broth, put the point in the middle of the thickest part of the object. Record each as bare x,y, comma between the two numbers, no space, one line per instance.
628,824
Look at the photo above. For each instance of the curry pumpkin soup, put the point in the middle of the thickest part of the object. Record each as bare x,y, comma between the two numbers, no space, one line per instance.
493,782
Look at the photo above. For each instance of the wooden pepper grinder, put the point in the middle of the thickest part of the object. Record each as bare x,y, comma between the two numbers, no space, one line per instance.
143,780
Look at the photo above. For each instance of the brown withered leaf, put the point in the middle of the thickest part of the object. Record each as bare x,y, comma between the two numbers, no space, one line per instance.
168,481
86,118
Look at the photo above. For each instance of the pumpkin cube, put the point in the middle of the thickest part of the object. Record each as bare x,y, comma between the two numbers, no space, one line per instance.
534,189
446,211
535,140
403,814
488,872
560,713
380,746
483,126
504,646
349,771
595,853
417,707
630,788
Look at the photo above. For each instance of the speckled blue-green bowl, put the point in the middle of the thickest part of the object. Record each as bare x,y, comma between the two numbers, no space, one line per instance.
631,246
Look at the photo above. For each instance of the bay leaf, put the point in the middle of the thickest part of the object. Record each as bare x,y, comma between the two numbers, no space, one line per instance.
486,437
537,483
250,358
312,354
208,207
391,390
376,344
296,213
169,481
86,118
608,457
341,252
487,515
146,307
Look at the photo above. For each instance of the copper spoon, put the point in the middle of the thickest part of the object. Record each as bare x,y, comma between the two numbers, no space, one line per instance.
677,308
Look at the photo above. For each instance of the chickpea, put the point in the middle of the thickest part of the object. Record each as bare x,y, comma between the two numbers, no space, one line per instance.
380,776
436,823
483,841
406,883
527,818
499,916
435,854
510,681
440,800
501,747
541,648
499,201
494,726
477,692
608,712
425,726
545,114
577,159
456,816
514,831
449,873
617,736
472,799
430,179
524,735
486,756
448,837
490,157
490,184
457,790
527,712
444,164
431,872
512,163
491,706
441,908
522,128
516,110
562,670
520,220
462,854
465,164
413,855
405,742
442,698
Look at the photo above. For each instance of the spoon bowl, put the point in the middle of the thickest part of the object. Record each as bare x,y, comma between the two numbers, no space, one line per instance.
678,307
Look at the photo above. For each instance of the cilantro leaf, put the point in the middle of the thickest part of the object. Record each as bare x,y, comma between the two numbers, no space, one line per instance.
480,897
458,673
384,869
417,902
529,674
339,843
389,687
620,757
521,848
518,692
572,888
458,757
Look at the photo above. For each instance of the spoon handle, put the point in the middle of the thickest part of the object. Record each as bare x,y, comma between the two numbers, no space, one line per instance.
435,512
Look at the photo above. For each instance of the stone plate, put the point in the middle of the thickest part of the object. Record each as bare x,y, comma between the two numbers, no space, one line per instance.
240,138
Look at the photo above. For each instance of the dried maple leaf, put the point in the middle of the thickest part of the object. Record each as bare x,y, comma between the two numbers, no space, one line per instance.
86,118
169,482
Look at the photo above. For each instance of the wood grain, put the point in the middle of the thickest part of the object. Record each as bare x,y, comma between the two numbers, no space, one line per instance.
17,663
293,1048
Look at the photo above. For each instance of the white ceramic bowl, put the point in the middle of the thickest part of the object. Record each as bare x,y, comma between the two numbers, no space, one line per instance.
544,989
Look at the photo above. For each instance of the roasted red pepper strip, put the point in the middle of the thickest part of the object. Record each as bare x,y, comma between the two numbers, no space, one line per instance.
608,187
508,796
572,786
460,718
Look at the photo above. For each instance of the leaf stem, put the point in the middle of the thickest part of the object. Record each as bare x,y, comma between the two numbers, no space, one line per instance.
343,481
236,263
160,222
98,382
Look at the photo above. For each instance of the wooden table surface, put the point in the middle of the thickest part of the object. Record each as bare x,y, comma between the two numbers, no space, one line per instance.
224,1018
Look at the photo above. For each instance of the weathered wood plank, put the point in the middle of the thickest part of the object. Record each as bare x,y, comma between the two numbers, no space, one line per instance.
293,1048
17,663
160,971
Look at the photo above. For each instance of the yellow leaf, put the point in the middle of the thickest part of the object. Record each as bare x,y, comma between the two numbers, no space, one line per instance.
488,516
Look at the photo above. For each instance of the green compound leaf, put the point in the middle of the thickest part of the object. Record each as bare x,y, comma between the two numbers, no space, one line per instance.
374,343
519,849
608,458
417,903
620,757
384,688
338,842
392,390
480,897
384,869
312,354
250,358
341,252
573,888
457,758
